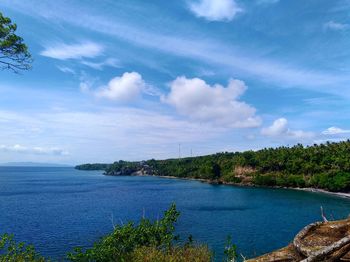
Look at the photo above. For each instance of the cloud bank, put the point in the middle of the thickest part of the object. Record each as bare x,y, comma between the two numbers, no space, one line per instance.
34,150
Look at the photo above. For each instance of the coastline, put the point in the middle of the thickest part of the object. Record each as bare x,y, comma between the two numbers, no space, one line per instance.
306,189
316,190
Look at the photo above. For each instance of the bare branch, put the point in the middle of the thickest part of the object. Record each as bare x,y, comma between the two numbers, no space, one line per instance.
112,220
323,215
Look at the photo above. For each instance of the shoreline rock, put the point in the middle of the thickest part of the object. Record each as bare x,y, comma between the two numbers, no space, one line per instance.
320,241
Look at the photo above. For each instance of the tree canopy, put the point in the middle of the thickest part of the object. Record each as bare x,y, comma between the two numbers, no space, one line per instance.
14,54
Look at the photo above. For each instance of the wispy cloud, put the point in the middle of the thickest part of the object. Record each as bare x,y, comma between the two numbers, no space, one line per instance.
332,25
271,71
215,10
267,1
64,51
86,82
100,65
66,69
335,131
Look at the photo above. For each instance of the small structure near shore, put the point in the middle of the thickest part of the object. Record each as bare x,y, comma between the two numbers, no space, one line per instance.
320,241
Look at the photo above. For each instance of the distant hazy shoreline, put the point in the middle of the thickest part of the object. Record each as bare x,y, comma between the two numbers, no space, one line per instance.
32,164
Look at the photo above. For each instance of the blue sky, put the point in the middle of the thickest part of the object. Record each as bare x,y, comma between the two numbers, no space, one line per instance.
132,79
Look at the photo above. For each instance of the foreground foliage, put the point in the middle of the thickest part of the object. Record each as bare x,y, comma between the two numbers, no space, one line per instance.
325,166
10,251
14,54
146,241
120,245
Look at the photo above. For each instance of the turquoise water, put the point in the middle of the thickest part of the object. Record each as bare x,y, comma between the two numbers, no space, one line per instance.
58,208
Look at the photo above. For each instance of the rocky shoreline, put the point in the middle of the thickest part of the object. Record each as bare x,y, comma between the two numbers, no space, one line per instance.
319,241
217,182
315,190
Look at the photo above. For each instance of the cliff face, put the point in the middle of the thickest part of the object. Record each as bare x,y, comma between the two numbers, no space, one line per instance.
320,241
130,170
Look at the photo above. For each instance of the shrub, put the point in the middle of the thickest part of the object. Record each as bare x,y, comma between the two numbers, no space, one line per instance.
265,180
290,181
128,241
10,251
334,182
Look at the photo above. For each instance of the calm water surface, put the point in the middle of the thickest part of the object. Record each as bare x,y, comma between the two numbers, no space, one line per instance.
58,208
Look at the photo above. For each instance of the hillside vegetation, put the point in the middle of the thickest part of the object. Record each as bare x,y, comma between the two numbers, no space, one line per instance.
325,166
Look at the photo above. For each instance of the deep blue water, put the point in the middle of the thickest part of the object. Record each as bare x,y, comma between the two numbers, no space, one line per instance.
58,208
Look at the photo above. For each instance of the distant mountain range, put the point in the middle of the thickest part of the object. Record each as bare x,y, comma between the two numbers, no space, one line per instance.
32,164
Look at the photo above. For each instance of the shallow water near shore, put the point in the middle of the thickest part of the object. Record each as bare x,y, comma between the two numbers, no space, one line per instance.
59,208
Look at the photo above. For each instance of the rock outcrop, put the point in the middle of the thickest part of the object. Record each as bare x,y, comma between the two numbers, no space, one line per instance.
320,241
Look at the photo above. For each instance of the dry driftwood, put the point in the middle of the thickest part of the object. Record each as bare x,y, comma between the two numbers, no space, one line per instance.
323,215
323,253
297,242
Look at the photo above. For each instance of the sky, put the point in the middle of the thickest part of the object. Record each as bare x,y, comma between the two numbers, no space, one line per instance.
133,79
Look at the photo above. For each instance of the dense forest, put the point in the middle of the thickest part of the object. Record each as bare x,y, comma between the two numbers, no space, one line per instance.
93,166
325,166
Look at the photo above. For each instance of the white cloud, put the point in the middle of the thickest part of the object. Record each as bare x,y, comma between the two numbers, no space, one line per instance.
34,150
64,51
335,131
123,88
279,128
215,104
336,26
215,10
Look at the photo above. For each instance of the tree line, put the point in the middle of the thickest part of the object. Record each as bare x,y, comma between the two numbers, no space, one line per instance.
325,166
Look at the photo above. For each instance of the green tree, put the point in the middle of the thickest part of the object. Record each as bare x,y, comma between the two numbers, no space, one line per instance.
14,54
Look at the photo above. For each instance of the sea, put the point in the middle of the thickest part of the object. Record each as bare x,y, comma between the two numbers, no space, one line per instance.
57,209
